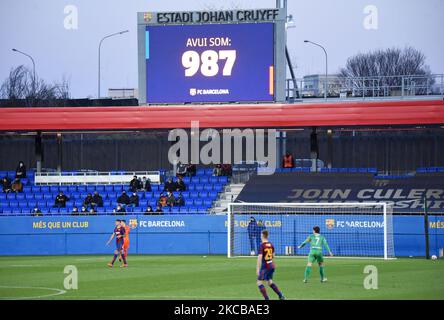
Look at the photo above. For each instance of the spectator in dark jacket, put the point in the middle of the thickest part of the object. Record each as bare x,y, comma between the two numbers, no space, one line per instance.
119,210
97,200
180,185
88,200
159,210
169,185
191,170
20,172
123,199
171,200
180,202
134,200
17,185
60,200
83,210
6,185
135,184
92,211
146,184
149,210
75,211
36,212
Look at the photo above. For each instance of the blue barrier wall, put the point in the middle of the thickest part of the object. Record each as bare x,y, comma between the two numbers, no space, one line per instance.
180,234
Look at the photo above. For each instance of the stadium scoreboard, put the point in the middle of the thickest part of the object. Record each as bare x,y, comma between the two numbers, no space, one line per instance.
211,56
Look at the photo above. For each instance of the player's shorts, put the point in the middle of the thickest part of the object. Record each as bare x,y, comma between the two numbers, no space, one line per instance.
315,257
266,274
119,245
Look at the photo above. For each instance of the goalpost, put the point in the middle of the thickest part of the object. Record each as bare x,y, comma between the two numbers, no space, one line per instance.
358,229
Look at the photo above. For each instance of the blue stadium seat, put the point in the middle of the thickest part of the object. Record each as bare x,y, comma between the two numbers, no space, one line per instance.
48,196
54,189
81,189
203,194
208,203
23,204
199,187
175,210
223,179
64,189
198,202
41,203
44,189
35,189
208,172
194,194
29,196
212,194
112,195
203,180
200,172
100,188
190,187
72,189
10,196
4,204
27,189
32,203
218,187
185,194
38,196
109,188
118,188
208,187
187,180
20,196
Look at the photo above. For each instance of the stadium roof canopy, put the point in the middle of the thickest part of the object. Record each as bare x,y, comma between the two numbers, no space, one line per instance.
362,113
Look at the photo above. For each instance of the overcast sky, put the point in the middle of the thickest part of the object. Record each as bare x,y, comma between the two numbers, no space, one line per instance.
38,28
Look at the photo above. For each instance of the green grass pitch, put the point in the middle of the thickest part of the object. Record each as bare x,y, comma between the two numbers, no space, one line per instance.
213,277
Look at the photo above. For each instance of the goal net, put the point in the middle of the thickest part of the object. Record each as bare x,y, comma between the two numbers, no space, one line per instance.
351,229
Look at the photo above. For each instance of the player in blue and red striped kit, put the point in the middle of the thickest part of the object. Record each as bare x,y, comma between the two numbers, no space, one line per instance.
265,267
119,233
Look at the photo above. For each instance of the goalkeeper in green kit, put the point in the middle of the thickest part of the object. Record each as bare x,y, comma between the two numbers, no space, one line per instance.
317,242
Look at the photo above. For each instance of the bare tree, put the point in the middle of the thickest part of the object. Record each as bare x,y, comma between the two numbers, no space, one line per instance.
20,86
388,70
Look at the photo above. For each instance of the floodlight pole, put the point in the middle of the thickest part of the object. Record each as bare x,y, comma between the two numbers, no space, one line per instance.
100,45
326,66
33,67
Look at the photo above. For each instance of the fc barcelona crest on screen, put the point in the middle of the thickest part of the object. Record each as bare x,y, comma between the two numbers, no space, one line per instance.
330,223
147,16
133,223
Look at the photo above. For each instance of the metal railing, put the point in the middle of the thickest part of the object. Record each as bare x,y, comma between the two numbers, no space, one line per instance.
375,87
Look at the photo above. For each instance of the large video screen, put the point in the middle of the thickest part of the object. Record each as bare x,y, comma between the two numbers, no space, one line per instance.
210,63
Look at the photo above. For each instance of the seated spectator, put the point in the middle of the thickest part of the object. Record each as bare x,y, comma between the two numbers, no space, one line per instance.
17,185
97,200
169,185
88,200
123,199
20,172
135,184
288,161
162,200
191,170
181,169
227,169
180,185
217,171
171,200
92,211
180,202
36,212
75,211
149,210
60,200
159,210
84,210
146,184
134,200
119,210
6,185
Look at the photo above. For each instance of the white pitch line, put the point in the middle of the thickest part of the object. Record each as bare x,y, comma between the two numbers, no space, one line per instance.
58,292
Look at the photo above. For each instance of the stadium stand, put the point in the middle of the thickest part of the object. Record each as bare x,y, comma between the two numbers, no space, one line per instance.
202,191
